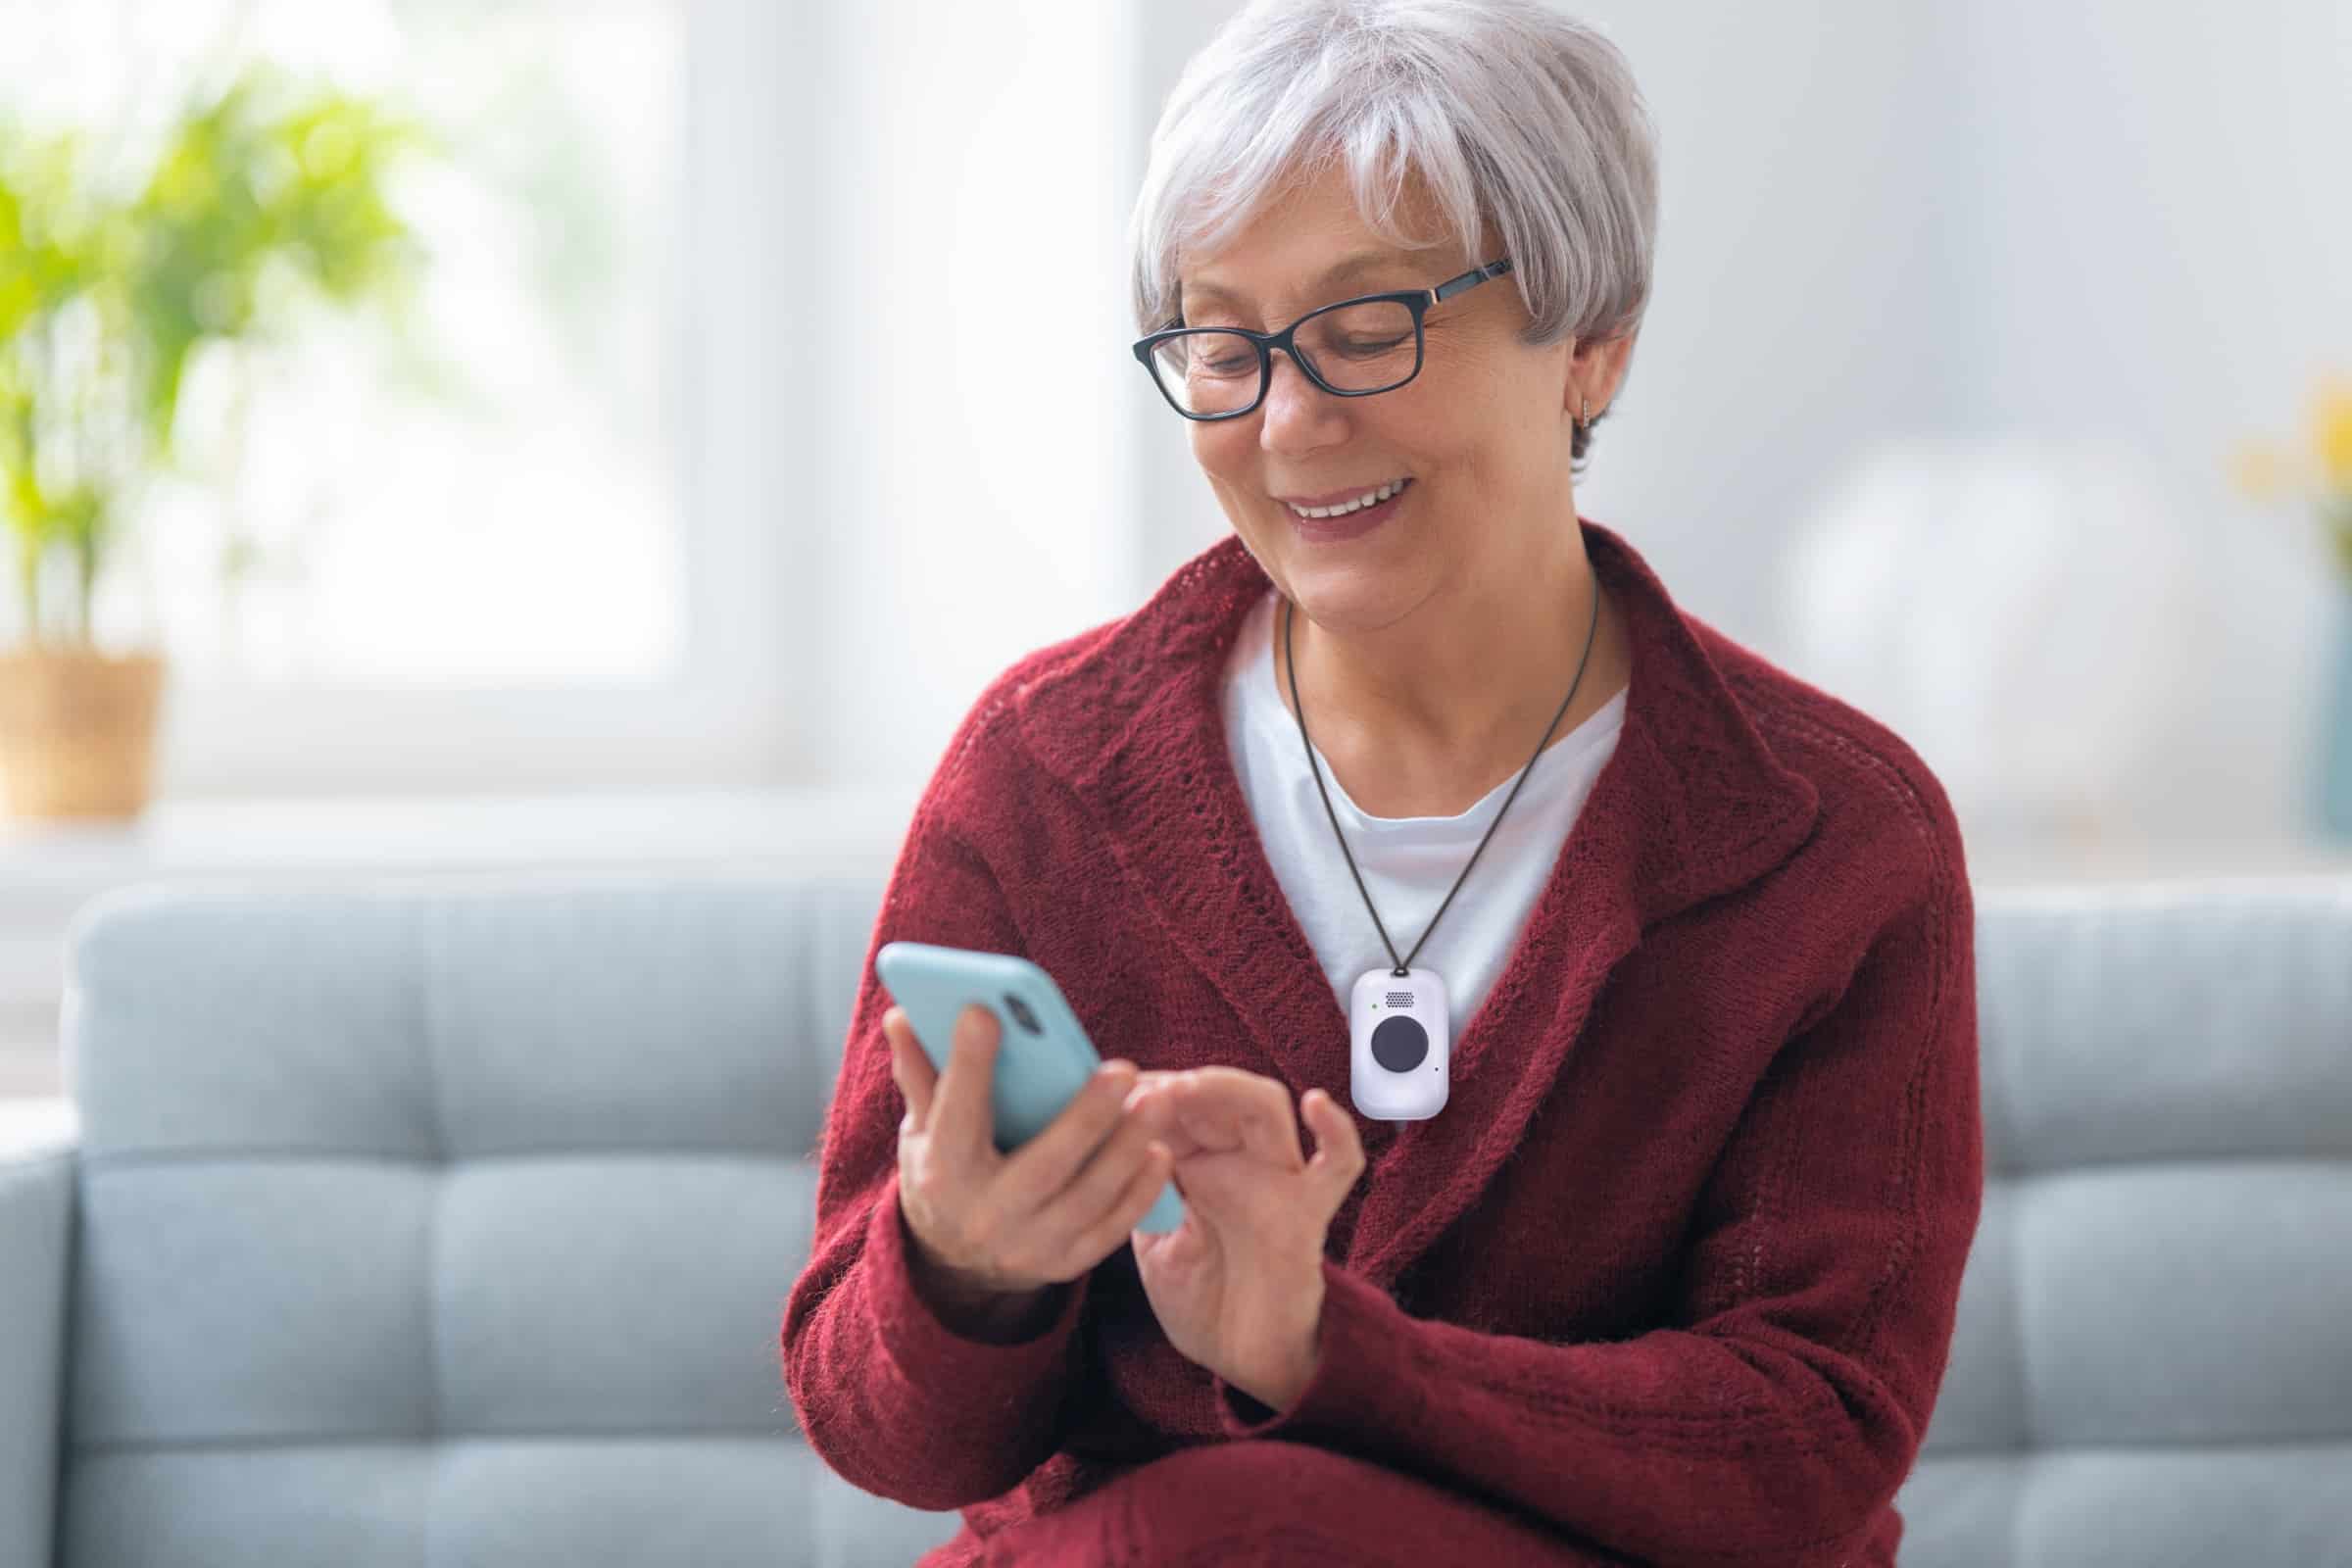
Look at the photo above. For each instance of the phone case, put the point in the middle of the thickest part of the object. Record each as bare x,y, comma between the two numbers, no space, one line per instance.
1045,1056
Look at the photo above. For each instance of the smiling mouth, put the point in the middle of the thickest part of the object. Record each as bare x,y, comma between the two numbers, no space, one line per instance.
1369,499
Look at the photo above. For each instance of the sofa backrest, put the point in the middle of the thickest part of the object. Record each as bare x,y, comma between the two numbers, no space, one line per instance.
451,1221
2153,1359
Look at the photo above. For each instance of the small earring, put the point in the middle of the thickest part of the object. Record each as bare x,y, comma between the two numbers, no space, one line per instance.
1586,422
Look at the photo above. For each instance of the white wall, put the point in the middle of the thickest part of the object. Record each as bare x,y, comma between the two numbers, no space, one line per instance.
978,502
2158,255
2090,220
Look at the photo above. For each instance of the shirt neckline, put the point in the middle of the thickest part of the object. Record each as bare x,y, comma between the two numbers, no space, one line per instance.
1598,726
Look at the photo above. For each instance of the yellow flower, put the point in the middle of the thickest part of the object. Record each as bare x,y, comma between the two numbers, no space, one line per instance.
2263,471
2332,426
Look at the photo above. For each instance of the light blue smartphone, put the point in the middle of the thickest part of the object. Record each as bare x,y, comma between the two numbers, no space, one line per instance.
1043,1058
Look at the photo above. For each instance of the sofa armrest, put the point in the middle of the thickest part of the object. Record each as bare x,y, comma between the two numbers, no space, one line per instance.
39,1142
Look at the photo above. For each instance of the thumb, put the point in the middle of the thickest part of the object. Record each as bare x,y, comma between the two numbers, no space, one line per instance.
1339,1149
910,1068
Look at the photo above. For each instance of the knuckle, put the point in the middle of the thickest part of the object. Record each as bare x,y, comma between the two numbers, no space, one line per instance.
933,1193
960,1244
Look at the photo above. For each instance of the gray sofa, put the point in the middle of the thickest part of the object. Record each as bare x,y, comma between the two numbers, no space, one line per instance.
451,1221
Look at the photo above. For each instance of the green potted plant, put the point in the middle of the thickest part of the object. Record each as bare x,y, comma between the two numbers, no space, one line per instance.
259,195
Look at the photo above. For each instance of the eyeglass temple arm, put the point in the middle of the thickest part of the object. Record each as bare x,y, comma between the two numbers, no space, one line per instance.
1454,286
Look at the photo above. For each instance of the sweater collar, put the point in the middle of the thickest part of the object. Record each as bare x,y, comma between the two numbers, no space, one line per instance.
1694,804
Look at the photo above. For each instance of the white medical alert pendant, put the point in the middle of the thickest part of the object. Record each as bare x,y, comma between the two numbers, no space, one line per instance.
1399,1045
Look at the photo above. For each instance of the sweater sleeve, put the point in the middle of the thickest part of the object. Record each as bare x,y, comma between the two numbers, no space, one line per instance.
1786,1399
887,1395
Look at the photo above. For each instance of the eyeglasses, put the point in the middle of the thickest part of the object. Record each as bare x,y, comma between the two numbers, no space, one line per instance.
1352,349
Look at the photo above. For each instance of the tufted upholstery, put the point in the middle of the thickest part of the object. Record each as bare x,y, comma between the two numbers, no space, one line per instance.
452,1222
2153,1362
450,1225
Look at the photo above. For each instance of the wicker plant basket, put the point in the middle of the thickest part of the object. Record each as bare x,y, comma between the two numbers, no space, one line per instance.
77,732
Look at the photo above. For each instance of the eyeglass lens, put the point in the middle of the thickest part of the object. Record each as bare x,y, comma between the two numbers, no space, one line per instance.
1356,347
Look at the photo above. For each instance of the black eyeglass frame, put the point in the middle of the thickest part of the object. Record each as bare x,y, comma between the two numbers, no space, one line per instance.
1417,300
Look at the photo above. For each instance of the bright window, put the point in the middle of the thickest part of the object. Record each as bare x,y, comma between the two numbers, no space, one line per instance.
492,498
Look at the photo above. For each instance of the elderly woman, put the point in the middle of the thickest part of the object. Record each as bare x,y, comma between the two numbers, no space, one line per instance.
1623,982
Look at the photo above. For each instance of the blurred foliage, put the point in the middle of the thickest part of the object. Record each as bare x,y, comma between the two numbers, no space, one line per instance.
260,196
2319,476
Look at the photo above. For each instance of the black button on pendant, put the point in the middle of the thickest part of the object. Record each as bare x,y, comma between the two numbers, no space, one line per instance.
1400,1044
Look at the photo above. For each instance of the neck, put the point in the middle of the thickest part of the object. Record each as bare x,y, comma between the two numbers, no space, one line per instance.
1454,694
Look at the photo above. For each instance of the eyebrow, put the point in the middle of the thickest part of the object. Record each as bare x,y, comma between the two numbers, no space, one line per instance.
1361,262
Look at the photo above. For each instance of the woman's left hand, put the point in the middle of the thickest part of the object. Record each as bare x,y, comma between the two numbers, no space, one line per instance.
1237,1287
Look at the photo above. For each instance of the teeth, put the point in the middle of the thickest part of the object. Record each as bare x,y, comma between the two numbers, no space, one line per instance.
1370,497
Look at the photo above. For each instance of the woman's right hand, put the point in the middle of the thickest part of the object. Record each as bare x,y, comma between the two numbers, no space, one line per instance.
994,1233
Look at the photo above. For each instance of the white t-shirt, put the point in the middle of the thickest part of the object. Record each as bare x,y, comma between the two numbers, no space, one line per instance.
1408,863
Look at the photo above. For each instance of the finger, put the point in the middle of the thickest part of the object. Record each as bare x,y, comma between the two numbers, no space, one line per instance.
1127,1209
1339,1149
1098,1184
910,1068
1227,1109
962,1122
1040,1169
1222,1183
1147,1079
1272,1132
1152,1092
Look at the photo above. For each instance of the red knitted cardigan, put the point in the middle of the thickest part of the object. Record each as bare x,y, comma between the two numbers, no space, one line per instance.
1675,1271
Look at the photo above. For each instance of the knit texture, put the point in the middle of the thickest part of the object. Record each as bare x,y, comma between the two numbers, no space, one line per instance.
1674,1274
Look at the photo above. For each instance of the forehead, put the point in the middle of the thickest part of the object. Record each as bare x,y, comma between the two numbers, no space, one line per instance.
1362,266
1310,243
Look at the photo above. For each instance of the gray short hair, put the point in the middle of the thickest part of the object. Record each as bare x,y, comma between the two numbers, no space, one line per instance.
1525,125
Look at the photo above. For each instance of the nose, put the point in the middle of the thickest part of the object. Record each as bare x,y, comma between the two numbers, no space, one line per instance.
1296,411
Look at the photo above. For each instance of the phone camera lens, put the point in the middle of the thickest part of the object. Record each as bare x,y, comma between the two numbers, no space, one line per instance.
1022,1013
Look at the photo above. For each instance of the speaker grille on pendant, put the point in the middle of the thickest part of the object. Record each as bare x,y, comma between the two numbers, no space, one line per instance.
1400,999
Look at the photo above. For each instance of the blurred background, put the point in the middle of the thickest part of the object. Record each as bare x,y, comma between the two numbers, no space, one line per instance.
535,432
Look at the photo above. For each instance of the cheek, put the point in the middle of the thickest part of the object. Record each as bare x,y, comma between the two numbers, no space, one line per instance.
1225,454
1212,448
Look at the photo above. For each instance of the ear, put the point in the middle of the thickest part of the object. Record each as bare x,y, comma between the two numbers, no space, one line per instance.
1596,370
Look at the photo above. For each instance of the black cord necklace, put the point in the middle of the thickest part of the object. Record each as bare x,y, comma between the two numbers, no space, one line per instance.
1405,964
